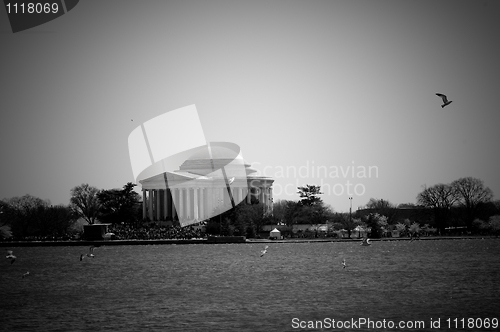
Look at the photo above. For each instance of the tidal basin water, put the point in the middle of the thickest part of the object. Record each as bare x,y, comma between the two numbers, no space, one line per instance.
229,287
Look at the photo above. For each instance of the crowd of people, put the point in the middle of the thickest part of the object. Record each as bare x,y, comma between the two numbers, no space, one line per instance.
150,231
48,238
154,232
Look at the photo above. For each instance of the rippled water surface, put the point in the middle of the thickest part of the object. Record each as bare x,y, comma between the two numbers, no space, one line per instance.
228,287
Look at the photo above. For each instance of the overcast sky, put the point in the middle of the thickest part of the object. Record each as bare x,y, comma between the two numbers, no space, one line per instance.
301,86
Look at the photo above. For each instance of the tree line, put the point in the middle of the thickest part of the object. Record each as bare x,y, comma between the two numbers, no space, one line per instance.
461,202
30,217
465,202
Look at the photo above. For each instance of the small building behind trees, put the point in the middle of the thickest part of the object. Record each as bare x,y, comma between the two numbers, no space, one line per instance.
95,231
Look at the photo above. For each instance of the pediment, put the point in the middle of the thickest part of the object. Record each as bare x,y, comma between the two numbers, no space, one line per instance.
171,179
169,176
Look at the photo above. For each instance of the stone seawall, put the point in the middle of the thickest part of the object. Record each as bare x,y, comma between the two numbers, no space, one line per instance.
96,243
226,239
217,240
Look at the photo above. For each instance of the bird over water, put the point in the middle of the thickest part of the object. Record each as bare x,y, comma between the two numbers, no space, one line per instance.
90,254
263,252
366,242
10,256
445,99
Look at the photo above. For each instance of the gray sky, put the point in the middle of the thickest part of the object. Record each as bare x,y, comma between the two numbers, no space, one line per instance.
303,87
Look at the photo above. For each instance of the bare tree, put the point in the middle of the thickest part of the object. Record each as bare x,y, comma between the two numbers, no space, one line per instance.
85,203
440,198
469,192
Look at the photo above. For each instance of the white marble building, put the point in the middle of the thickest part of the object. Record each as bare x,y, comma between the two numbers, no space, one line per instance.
208,183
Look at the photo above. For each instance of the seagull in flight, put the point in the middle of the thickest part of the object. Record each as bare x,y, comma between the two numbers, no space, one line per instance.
26,274
445,99
231,180
366,242
10,256
343,264
263,252
91,252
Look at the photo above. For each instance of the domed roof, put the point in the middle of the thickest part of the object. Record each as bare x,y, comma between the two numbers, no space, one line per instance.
215,156
215,152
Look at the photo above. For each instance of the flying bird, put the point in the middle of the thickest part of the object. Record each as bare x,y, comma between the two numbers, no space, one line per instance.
445,99
26,274
231,180
10,256
91,252
343,264
263,252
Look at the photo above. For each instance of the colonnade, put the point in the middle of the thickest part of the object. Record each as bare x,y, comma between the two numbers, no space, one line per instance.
197,204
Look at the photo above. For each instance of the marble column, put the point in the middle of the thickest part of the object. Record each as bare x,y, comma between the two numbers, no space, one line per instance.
202,204
271,203
181,204
249,195
150,204
173,193
195,204
210,206
268,199
155,203
188,204
165,204
169,204
265,198
144,202
153,198
158,204
235,195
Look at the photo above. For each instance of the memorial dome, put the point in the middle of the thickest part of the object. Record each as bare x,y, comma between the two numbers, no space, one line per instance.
205,160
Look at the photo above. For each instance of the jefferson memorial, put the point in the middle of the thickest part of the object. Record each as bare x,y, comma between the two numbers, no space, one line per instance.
212,180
